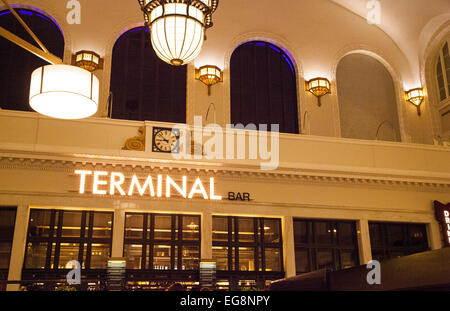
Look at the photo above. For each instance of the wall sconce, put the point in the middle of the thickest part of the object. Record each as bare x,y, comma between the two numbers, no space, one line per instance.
88,60
319,87
209,75
415,97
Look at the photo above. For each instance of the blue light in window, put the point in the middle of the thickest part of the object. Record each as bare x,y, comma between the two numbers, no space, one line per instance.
4,13
26,13
275,49
42,16
289,62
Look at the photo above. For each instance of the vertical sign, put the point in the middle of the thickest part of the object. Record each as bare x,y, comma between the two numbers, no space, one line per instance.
207,274
116,274
443,216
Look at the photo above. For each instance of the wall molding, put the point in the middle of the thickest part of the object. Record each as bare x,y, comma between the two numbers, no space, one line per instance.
311,175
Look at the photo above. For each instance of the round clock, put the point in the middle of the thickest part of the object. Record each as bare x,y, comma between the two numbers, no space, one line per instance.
165,140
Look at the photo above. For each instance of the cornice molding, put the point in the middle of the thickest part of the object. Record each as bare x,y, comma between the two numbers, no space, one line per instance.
235,172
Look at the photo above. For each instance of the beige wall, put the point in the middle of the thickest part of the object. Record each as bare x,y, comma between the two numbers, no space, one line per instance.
367,100
318,177
316,51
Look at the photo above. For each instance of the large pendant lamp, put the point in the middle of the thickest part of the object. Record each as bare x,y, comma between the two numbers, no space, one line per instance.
178,27
64,92
56,90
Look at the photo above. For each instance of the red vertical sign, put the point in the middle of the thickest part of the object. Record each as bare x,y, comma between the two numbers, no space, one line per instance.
443,216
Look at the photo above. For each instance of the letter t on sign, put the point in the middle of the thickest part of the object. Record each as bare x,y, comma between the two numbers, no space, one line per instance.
83,175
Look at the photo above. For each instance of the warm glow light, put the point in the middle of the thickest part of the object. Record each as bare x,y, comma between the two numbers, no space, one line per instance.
64,92
117,184
178,27
88,60
209,75
415,97
319,87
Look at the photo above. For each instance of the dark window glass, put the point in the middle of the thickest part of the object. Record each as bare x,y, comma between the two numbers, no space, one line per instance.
163,227
171,242
392,240
71,227
446,55
271,231
258,247
220,232
323,244
133,254
190,257
36,255
56,237
17,64
263,87
144,87
220,256
191,228
302,264
246,230
40,222
7,223
440,78
133,226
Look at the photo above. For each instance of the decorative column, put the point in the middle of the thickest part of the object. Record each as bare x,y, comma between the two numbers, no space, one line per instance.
18,247
206,236
365,249
288,246
434,235
118,233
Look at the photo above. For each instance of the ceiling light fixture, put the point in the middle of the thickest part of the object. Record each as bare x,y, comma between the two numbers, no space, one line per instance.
178,27
64,92
56,90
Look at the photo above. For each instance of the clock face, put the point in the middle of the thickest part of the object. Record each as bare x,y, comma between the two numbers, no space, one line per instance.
166,140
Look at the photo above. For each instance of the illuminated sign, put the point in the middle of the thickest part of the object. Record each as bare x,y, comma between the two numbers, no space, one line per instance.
115,183
443,216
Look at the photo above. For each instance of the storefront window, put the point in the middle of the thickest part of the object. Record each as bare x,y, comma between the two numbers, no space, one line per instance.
40,221
190,257
162,257
170,242
133,226
392,240
323,244
7,222
220,256
163,227
258,247
102,225
133,253
71,224
36,255
56,237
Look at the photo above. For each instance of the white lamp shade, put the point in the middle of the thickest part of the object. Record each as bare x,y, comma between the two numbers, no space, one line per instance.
177,32
64,92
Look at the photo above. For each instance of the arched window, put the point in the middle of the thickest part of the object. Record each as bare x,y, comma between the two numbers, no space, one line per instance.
263,87
443,72
17,64
367,100
143,86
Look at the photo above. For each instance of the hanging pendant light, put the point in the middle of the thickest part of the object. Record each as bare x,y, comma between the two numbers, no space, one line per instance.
64,92
178,27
